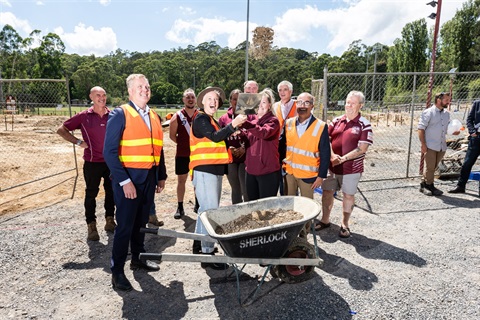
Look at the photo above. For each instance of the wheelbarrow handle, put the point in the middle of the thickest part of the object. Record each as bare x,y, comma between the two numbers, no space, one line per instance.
149,230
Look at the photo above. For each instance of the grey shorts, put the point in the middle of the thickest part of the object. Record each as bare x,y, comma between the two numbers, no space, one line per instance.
348,183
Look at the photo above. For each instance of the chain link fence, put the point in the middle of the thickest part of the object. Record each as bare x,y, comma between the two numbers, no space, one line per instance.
394,102
30,148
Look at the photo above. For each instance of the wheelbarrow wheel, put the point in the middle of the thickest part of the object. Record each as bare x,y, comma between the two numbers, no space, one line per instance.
300,248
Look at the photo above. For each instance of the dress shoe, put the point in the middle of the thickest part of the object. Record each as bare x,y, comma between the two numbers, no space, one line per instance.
179,214
120,282
457,189
147,265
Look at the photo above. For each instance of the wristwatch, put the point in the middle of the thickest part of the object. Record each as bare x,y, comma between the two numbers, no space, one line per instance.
79,142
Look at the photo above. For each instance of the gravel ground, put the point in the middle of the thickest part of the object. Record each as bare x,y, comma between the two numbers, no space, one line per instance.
410,257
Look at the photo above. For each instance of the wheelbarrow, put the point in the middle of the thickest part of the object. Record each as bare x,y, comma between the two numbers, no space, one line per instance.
277,247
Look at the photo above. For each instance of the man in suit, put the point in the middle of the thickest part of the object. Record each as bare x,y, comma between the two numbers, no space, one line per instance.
134,153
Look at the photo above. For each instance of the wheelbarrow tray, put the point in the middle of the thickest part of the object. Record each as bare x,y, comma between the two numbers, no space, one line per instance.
266,242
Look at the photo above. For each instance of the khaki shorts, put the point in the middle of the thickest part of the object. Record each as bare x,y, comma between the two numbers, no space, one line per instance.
348,183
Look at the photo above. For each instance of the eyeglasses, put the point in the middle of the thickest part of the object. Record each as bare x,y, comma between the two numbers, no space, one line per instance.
304,103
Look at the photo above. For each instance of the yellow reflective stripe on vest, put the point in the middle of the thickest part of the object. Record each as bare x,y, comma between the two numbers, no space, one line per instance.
302,167
304,152
141,142
209,156
147,159
208,144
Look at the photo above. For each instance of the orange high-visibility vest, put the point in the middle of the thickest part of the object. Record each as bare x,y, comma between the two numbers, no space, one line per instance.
140,148
204,151
303,157
277,107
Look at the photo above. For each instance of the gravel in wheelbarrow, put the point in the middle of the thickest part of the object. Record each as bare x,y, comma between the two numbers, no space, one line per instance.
266,242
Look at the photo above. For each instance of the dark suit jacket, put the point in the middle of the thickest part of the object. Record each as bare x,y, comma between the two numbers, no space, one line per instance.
473,119
115,128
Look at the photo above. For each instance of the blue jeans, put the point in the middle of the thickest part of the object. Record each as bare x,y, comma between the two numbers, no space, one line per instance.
473,152
208,189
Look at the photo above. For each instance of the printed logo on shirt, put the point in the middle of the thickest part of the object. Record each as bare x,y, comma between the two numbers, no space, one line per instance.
356,130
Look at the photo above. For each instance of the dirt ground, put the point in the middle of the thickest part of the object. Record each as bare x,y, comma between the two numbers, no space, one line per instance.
410,256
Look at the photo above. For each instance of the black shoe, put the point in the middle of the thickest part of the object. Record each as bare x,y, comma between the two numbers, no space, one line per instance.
214,265
147,265
426,189
435,191
180,213
422,186
120,282
197,247
457,189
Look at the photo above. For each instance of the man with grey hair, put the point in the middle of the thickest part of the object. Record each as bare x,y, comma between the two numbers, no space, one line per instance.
284,109
134,153
250,86
350,136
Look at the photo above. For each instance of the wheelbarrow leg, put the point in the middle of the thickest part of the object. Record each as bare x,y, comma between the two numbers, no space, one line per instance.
254,293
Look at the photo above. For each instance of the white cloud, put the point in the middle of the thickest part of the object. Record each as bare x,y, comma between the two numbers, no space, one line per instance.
5,3
194,32
21,26
187,10
105,2
370,21
86,40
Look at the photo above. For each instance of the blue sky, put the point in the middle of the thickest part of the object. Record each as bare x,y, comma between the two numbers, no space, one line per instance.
102,26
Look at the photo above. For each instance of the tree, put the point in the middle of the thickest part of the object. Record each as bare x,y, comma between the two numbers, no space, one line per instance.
10,45
460,37
49,57
262,42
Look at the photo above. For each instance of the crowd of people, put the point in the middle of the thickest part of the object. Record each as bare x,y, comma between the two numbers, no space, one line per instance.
278,148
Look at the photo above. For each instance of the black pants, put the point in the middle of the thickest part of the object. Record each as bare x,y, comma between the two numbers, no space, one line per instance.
93,172
263,186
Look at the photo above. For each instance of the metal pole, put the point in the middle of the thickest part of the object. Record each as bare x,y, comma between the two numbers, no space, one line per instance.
432,70
434,53
325,93
246,43
194,76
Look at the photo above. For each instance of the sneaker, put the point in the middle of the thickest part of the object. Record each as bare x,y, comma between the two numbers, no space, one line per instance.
180,213
152,219
110,224
457,189
92,232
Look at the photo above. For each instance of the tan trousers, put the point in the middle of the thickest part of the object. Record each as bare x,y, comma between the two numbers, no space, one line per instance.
432,159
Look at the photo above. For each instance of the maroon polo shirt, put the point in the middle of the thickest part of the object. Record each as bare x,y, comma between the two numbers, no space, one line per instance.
345,136
93,128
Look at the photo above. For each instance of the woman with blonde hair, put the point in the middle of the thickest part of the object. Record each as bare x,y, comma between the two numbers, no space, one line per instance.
262,159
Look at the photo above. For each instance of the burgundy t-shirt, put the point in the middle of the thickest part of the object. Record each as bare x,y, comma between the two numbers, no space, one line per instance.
93,128
345,136
183,136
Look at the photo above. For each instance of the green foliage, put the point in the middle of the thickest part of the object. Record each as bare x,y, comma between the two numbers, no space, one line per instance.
208,64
